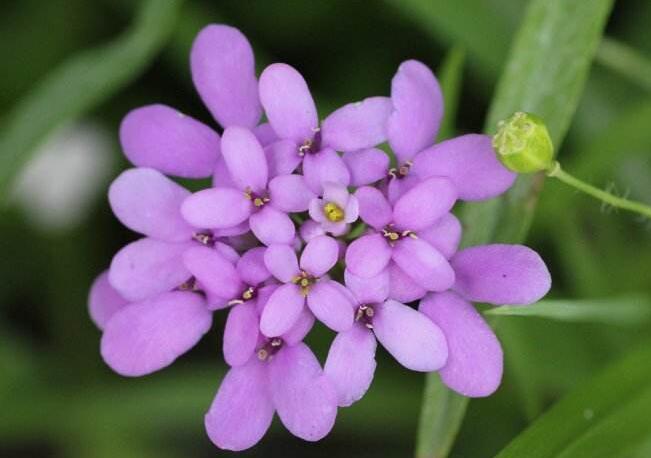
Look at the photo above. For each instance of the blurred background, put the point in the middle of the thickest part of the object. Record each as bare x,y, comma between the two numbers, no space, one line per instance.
58,399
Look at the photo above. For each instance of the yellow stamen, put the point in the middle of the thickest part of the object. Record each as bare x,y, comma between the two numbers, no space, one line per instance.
333,212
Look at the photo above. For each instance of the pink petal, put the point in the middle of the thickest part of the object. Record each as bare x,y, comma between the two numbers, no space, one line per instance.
368,255
242,411
351,364
216,208
319,255
470,162
241,334
426,266
265,134
103,300
366,166
300,329
475,360
331,306
146,336
251,268
444,235
147,267
325,166
374,209
371,290
164,139
282,310
148,202
282,262
306,401
213,272
422,205
418,104
411,338
401,287
357,125
245,159
288,103
290,194
282,157
501,274
223,71
272,226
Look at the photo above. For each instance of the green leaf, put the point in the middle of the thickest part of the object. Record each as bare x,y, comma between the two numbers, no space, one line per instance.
605,417
625,311
451,74
82,83
626,61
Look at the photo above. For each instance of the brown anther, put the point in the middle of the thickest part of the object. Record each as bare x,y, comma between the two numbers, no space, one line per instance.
402,171
204,238
276,342
263,354
365,314
189,285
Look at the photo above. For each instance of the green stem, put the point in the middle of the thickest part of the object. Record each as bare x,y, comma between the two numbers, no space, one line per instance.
619,202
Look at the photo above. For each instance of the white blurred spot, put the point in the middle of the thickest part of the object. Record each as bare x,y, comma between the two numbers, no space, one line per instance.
588,414
58,186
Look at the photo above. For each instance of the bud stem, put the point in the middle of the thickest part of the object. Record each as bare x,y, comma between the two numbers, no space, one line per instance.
556,171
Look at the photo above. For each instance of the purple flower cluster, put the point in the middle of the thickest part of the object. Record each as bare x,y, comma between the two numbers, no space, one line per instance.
305,221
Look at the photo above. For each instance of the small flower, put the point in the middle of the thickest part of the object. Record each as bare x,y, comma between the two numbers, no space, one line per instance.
328,300
335,210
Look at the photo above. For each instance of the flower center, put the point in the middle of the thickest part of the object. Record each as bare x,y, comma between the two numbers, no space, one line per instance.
333,212
259,200
269,349
365,314
393,236
189,285
204,238
304,281
248,294
311,145
400,172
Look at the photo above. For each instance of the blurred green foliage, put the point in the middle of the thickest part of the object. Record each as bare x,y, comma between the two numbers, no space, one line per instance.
57,397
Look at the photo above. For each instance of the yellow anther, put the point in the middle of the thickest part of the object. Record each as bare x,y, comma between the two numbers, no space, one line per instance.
333,212
305,282
248,294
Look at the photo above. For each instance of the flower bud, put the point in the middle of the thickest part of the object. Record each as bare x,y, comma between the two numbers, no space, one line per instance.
523,144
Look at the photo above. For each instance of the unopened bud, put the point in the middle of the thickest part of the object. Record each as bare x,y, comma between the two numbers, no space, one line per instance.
523,144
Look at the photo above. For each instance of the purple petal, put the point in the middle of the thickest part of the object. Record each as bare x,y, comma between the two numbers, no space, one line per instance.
325,166
223,71
470,162
242,411
418,109
397,187
241,334
371,290
310,229
290,194
422,205
103,300
288,103
444,235
401,287
282,310
501,274
357,125
147,267
411,338
245,159
251,268
330,305
306,401
272,226
164,139
474,366
221,177
426,266
319,255
227,252
374,209
237,235
214,272
282,157
265,134
282,262
147,336
368,255
216,208
263,295
300,329
366,166
336,193
148,202
351,364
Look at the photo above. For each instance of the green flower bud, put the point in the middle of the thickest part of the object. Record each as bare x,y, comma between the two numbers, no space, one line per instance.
523,144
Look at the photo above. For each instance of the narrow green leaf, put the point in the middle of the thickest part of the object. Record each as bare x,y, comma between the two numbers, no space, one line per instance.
605,417
82,83
625,61
451,75
626,311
